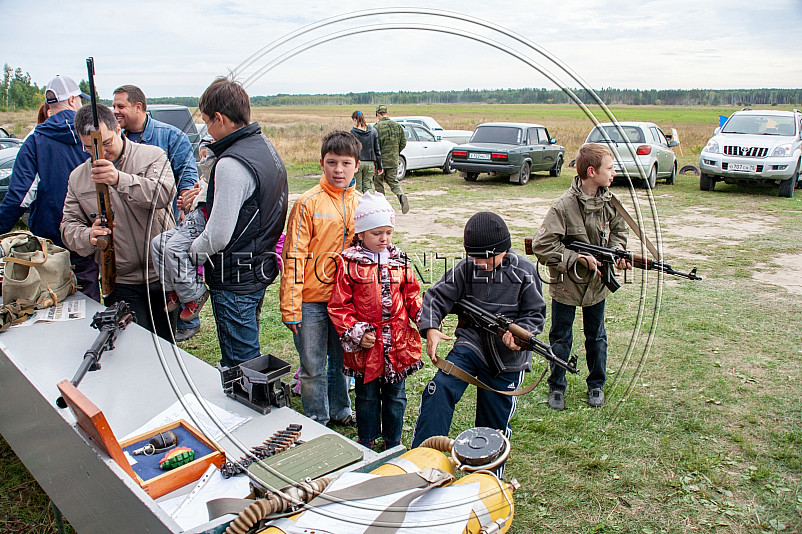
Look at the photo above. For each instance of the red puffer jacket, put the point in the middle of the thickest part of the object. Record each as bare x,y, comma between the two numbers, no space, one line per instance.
357,297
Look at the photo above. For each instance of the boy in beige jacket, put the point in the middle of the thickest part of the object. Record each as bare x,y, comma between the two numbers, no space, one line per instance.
584,213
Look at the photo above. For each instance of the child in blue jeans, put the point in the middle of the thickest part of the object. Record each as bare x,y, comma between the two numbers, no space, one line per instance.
170,250
375,300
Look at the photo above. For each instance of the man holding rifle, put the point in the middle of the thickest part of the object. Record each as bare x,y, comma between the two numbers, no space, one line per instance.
141,191
130,108
500,282
584,213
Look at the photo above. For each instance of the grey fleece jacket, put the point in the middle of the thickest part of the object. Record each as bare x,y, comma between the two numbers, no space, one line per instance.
512,289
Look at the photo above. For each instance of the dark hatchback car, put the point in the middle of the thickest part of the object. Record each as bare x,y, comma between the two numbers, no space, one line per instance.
508,149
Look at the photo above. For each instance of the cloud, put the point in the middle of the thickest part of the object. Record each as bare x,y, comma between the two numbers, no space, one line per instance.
177,48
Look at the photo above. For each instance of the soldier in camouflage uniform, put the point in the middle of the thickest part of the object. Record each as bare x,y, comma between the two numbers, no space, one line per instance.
391,141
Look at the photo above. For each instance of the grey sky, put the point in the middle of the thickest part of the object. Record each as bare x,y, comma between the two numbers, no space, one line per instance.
177,48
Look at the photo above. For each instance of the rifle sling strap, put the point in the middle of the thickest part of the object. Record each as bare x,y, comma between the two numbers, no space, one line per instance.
16,312
634,226
450,369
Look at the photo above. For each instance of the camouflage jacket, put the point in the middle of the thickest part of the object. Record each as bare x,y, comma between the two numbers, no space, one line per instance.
391,140
577,216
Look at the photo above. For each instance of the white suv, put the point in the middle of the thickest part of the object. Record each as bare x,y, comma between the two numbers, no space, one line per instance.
754,146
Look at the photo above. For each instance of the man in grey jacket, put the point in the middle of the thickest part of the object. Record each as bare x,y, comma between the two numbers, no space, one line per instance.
497,279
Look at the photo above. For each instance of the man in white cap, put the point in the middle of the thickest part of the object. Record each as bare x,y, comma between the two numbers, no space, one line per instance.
41,172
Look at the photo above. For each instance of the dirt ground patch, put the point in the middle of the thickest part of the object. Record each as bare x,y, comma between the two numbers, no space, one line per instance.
703,223
449,221
426,225
789,276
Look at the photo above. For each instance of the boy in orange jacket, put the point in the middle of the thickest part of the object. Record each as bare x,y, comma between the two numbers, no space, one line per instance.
320,227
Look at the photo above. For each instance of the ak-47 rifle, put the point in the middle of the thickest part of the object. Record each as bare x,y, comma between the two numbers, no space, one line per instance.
609,256
498,325
105,243
110,322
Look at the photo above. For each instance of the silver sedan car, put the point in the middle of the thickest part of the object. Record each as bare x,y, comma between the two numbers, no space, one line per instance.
641,150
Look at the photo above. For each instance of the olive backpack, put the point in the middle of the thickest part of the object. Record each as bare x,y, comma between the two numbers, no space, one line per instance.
37,274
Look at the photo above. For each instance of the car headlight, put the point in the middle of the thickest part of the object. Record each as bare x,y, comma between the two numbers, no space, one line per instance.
711,147
782,151
5,173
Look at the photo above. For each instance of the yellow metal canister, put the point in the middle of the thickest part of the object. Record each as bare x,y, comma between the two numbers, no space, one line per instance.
492,505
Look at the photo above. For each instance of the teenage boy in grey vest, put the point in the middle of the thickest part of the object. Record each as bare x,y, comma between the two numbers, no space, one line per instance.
246,205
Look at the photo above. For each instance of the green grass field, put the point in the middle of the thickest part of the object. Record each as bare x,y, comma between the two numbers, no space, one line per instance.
702,431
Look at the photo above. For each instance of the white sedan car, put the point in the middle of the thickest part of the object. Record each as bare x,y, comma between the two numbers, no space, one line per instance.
639,145
455,136
423,151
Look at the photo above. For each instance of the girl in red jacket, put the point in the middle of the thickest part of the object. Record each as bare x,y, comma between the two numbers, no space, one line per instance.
375,300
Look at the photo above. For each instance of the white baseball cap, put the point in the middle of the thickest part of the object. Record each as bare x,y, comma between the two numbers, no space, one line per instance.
62,88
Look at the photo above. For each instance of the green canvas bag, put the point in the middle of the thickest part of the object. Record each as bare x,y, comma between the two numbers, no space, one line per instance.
36,272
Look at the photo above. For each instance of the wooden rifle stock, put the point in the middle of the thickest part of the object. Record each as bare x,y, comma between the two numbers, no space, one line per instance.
105,243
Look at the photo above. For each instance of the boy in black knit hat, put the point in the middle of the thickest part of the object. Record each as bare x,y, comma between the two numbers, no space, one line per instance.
500,281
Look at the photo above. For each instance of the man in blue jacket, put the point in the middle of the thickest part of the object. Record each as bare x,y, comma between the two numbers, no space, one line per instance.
41,172
130,109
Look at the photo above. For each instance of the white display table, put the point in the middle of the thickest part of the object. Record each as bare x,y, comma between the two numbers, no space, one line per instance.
139,379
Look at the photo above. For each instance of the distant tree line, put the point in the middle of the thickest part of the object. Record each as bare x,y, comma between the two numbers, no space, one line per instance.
18,92
664,97
611,96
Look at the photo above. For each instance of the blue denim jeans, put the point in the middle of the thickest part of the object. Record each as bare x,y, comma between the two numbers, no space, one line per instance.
380,411
444,391
170,256
324,394
237,320
561,340
188,325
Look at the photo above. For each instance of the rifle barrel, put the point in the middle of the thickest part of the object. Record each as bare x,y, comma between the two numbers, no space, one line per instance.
105,243
109,322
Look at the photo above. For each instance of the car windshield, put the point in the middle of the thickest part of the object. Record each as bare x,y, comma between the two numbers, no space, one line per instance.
759,125
177,117
428,122
504,135
610,134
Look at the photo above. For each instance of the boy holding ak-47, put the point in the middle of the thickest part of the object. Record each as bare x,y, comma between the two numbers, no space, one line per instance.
496,279
584,213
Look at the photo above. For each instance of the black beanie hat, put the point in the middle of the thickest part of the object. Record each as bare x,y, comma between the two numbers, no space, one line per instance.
486,235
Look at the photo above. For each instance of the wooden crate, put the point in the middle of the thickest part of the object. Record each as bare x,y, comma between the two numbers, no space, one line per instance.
91,419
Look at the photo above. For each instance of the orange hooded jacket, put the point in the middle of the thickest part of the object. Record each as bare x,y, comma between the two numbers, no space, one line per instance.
320,227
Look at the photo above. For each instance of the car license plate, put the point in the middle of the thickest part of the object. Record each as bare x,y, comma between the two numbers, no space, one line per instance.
741,167
478,155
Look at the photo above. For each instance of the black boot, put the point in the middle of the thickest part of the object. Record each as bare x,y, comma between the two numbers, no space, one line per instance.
402,198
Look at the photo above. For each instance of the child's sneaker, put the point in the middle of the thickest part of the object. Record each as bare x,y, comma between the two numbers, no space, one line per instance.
172,302
596,397
193,308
